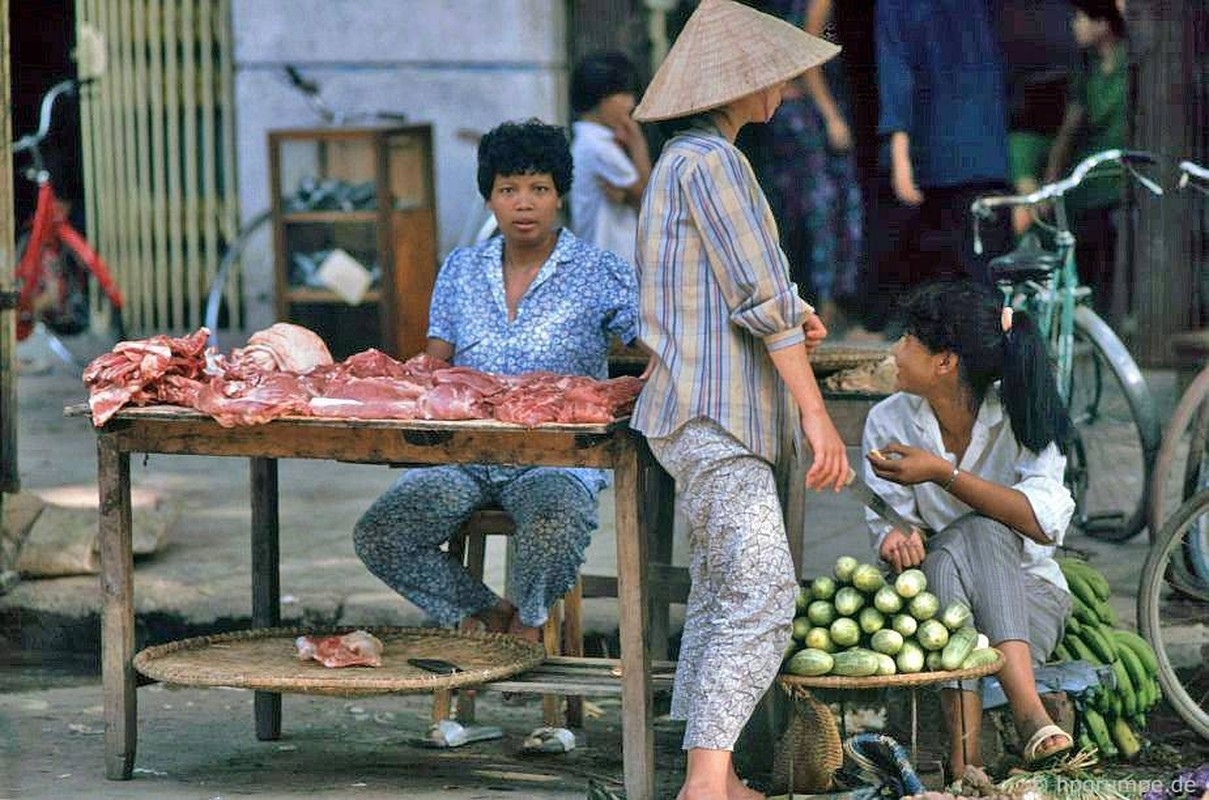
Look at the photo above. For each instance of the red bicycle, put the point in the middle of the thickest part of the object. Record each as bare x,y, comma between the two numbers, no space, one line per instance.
55,260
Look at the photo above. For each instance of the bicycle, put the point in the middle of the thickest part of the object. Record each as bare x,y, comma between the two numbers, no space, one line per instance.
54,259
1173,595
1097,378
1173,606
1189,424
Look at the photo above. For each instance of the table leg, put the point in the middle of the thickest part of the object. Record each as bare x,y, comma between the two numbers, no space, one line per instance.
637,731
266,580
658,491
117,609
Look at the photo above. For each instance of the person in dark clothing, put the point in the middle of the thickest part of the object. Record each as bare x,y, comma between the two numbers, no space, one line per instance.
943,122
1094,121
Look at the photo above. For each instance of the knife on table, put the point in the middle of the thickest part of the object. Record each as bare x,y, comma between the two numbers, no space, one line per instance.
877,503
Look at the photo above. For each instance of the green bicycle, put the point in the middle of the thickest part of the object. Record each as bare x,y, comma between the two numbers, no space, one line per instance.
1117,431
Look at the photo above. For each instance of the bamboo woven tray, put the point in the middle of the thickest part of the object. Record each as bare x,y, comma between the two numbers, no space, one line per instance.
266,659
884,681
828,358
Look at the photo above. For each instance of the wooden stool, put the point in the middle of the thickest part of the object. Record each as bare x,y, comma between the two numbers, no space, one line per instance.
560,637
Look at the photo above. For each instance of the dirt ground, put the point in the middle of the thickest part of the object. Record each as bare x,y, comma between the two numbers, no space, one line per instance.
200,743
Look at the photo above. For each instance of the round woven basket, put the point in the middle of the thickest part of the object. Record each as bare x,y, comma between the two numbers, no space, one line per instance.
882,681
266,659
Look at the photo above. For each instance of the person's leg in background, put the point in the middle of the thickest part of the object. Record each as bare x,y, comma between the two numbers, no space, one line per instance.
847,221
1095,252
996,234
947,240
895,251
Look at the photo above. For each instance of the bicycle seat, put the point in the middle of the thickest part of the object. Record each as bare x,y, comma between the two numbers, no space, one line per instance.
1028,261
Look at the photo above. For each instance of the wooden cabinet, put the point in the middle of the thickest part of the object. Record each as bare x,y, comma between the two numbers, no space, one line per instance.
355,242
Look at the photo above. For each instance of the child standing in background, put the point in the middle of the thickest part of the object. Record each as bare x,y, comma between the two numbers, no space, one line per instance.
612,161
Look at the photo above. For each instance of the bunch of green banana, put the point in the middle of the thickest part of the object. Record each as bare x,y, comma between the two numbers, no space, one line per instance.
1110,717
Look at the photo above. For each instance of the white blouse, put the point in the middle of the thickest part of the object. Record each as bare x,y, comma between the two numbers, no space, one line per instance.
993,454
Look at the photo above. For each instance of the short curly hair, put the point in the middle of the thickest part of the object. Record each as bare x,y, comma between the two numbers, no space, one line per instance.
530,147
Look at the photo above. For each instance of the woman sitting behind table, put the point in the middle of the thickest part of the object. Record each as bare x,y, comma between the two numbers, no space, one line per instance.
970,447
534,298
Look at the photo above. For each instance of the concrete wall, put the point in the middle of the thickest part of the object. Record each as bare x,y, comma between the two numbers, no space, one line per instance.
455,63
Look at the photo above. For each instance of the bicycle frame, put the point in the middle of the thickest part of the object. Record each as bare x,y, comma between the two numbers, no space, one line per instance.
1052,304
49,231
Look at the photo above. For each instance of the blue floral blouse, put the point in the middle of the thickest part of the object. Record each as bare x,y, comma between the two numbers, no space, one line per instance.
565,321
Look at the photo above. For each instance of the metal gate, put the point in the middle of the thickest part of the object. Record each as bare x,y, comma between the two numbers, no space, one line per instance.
159,155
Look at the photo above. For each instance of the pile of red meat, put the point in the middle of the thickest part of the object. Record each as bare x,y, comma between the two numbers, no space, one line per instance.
287,370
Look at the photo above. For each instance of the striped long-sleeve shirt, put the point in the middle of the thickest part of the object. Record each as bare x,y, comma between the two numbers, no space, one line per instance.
714,296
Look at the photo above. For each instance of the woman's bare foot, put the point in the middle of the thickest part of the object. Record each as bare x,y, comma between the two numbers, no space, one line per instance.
691,792
737,790
498,618
711,776
517,629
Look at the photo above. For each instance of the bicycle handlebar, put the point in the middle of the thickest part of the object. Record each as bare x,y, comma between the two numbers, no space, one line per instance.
32,140
985,206
309,89
1193,170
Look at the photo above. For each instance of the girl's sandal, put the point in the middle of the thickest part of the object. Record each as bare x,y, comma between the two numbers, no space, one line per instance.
1035,755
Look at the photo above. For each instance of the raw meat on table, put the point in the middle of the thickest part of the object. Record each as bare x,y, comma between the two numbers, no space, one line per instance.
286,370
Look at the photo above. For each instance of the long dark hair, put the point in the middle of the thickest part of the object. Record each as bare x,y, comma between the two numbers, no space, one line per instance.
965,318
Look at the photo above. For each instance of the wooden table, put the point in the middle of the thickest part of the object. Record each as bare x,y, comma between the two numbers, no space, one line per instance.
163,429
643,522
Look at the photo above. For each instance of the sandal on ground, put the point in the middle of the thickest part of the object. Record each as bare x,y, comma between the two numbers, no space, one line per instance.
549,740
1034,754
447,733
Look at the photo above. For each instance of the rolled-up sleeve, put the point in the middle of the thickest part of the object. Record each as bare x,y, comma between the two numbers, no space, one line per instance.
739,237
1040,480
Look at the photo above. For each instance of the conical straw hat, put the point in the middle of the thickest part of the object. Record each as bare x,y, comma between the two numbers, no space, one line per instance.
726,51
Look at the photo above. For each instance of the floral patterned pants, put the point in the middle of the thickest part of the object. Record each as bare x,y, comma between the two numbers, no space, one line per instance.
401,535
741,603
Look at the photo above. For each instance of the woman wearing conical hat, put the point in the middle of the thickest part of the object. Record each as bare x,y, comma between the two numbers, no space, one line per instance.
729,337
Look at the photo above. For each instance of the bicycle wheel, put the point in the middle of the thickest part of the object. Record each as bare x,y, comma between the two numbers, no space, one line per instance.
1173,606
1184,442
1118,433
1196,479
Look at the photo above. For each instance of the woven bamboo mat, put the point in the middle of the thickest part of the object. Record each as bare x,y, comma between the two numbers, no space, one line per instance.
267,659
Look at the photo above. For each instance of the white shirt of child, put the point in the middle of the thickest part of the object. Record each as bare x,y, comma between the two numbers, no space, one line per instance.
594,218
993,454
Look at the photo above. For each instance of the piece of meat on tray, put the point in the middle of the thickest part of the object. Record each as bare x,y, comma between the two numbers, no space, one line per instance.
356,649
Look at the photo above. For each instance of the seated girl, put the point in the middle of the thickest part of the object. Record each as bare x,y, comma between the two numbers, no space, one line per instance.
971,447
